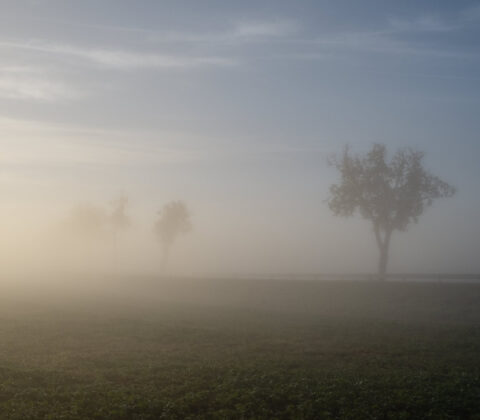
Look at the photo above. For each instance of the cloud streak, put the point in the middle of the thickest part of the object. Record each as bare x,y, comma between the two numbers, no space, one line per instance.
239,43
427,23
119,59
27,84
27,143
283,32
383,43
279,28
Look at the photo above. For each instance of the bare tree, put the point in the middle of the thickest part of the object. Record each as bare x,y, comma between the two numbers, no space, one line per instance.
391,194
174,220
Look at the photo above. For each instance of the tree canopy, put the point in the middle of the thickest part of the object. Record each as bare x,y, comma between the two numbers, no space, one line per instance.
390,194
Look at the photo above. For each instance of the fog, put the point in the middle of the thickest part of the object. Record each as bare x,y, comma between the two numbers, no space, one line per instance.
241,237
250,215
236,117
258,209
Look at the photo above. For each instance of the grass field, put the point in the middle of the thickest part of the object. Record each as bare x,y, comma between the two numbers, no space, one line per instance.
213,349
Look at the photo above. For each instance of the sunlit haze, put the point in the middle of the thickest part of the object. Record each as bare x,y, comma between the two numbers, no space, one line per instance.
227,209
233,108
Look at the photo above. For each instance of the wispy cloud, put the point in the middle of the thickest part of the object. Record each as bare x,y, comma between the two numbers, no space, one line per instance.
401,36
29,143
28,84
391,38
427,23
278,28
381,42
119,59
236,33
225,47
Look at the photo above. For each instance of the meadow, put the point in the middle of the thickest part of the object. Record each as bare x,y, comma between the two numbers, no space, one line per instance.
240,349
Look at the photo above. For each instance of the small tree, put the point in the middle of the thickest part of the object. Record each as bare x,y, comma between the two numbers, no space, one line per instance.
174,220
391,195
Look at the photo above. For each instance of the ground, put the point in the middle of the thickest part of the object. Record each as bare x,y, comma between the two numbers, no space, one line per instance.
225,349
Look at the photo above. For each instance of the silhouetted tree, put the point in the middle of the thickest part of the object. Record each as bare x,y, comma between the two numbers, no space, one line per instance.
391,195
174,220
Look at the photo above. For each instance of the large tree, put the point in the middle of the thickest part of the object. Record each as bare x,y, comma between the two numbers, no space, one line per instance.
174,220
390,194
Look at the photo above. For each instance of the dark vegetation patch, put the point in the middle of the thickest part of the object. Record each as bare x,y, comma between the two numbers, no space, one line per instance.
218,360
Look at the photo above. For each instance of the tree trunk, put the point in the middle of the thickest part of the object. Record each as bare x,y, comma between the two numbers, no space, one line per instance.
382,263
383,247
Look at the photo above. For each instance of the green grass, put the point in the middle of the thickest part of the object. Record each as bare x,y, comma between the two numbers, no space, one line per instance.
244,350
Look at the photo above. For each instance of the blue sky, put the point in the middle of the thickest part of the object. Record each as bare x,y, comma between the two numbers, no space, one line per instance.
234,107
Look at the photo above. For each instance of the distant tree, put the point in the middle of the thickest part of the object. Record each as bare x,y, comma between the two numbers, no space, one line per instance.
119,219
391,194
174,220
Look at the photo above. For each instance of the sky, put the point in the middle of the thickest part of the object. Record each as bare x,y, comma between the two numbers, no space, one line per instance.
234,107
